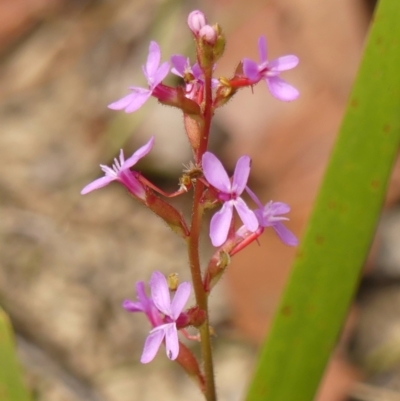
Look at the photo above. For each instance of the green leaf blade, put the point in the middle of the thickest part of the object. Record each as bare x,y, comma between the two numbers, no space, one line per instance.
11,384
328,264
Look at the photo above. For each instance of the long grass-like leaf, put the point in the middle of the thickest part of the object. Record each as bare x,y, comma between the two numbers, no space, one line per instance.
329,261
12,387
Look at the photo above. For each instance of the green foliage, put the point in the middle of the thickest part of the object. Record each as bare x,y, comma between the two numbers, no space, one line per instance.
329,261
11,385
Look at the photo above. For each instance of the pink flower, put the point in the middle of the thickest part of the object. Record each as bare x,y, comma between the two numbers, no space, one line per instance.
269,215
154,74
269,71
229,194
191,75
120,171
162,314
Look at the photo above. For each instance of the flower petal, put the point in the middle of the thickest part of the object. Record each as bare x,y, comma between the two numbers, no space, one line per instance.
140,153
138,101
181,296
283,63
160,74
215,173
152,344
131,102
262,49
131,306
197,72
247,216
149,308
281,89
241,175
141,295
123,102
179,63
285,234
96,184
160,292
250,70
254,197
220,223
153,60
171,341
132,184
276,208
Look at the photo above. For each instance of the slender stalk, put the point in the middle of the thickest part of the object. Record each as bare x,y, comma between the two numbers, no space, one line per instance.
207,115
193,249
200,294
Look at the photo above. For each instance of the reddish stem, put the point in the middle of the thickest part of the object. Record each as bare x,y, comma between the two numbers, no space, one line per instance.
207,115
193,246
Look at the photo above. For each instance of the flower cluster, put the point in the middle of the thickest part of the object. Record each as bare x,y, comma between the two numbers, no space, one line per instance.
198,98
229,192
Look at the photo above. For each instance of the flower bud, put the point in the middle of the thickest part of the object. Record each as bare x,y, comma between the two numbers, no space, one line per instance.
196,20
208,34
211,45
216,268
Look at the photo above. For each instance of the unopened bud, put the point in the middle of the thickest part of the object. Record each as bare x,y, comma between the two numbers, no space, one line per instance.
216,268
211,45
196,20
208,34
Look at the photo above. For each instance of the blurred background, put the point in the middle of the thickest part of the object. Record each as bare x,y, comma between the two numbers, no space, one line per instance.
67,261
